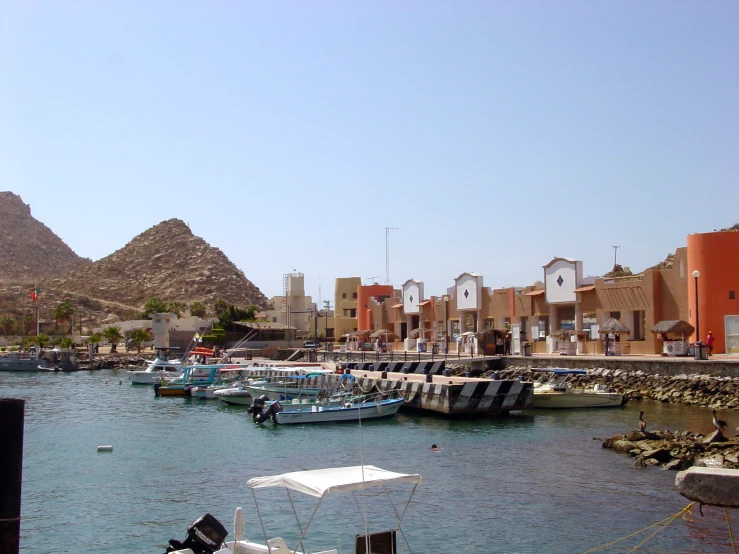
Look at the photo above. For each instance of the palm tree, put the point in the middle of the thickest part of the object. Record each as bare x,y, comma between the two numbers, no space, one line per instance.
113,336
63,313
139,336
8,324
41,340
177,308
27,324
197,309
66,343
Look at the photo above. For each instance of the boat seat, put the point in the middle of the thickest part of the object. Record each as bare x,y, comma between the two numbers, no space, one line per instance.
278,546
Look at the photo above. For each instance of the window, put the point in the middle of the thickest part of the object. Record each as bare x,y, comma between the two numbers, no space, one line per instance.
354,295
343,295
732,295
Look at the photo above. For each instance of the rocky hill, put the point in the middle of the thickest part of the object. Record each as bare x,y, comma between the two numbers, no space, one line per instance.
30,250
168,262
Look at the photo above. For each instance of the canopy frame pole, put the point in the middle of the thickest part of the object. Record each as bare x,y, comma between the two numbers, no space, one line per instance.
310,521
297,520
261,522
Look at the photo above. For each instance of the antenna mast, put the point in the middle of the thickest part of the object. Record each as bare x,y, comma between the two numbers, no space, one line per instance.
387,253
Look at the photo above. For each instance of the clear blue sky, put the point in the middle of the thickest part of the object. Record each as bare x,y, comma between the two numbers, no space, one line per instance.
493,135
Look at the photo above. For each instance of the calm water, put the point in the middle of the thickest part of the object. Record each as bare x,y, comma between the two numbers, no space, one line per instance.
533,482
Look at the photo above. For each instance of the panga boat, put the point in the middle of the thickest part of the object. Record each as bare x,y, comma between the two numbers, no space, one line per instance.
159,369
354,408
207,534
192,376
554,390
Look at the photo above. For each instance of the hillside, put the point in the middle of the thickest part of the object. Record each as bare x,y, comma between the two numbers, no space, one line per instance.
30,250
166,261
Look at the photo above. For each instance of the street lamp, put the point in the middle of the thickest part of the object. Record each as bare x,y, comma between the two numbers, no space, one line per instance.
697,274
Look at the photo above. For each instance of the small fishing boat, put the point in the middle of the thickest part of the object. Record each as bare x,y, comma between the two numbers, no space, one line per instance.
207,534
192,376
305,384
355,408
159,369
554,390
225,378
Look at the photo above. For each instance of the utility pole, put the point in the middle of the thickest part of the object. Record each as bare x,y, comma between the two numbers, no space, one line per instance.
615,251
387,253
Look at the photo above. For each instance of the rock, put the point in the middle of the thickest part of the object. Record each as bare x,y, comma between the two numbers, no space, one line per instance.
623,446
659,454
675,464
716,436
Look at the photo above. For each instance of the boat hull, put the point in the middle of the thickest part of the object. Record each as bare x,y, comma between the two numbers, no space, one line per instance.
235,400
150,377
331,414
577,399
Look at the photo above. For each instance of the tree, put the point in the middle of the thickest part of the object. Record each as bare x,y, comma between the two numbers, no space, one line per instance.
177,308
220,307
66,343
138,337
8,324
94,339
41,340
153,305
27,324
63,314
232,313
113,336
197,309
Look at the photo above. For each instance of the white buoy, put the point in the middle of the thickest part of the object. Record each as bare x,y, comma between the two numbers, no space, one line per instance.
105,448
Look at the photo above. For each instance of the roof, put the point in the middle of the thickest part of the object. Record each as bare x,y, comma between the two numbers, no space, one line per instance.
585,288
424,302
322,482
613,325
264,325
397,305
674,326
535,292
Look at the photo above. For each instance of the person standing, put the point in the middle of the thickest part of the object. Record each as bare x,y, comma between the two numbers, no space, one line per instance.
709,342
459,344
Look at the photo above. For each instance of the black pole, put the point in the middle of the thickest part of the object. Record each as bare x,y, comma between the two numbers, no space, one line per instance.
11,474
697,320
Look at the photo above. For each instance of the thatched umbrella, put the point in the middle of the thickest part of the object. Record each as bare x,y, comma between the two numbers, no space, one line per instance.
385,334
613,325
363,333
674,327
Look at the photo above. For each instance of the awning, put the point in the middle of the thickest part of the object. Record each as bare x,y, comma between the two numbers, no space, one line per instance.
585,289
321,482
535,292
397,305
424,302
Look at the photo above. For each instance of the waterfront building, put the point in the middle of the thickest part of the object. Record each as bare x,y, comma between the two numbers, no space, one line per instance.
345,305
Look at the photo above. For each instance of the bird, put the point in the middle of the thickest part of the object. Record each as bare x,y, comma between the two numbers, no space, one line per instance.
642,423
721,426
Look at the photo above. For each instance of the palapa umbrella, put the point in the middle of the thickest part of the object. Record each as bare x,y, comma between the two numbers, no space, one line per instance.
674,327
384,333
613,325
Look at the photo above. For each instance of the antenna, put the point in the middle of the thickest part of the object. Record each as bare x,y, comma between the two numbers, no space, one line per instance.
372,279
615,250
387,253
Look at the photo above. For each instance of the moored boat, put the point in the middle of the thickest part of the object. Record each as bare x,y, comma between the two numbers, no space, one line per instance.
55,359
159,369
208,532
192,376
555,390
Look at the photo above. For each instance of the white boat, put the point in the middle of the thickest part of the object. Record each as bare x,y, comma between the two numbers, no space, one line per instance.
355,408
555,390
55,359
227,376
158,370
208,532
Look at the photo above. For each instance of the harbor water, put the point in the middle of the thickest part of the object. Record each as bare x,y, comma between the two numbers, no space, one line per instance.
536,481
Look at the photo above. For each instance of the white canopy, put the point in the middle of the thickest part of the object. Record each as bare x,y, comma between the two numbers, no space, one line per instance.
321,482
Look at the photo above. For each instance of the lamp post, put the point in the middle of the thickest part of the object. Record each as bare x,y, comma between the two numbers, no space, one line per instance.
697,274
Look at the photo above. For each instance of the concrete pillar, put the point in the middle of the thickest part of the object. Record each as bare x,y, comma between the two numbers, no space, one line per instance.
714,486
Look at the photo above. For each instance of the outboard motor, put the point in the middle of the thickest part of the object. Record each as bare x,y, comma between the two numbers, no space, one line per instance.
257,406
273,410
204,536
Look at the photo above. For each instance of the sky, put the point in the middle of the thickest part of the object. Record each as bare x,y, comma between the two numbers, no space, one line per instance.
490,136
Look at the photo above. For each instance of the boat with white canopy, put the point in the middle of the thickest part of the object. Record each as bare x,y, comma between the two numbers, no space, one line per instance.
555,390
319,484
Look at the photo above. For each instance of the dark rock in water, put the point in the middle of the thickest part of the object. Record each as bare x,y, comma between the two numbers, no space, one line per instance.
676,465
659,454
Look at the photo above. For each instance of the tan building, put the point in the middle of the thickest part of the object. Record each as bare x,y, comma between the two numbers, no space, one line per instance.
345,305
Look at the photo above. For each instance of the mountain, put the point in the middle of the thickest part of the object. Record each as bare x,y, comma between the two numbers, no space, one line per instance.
30,250
166,261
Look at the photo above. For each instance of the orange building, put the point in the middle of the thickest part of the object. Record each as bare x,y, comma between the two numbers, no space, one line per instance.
715,258
364,306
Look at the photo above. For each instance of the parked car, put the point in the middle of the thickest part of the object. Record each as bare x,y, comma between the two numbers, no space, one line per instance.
311,344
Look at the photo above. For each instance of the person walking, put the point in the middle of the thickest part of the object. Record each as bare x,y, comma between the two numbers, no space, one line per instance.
709,342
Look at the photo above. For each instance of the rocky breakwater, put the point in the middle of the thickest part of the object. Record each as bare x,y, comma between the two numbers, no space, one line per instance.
676,450
696,390
114,361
